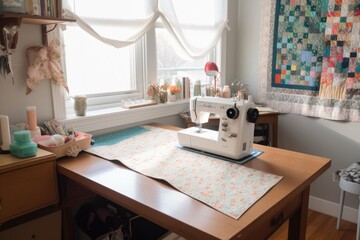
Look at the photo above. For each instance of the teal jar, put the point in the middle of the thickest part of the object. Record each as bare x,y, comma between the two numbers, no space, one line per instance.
23,146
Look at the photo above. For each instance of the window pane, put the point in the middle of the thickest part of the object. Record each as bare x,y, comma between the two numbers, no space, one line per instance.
93,67
171,62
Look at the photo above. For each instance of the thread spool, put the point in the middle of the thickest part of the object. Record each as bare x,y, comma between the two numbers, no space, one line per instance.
197,88
226,91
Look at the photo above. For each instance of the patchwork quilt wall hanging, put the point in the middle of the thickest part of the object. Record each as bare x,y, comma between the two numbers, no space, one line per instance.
312,50
317,46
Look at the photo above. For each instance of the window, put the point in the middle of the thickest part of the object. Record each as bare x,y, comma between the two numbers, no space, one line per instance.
108,75
94,68
172,62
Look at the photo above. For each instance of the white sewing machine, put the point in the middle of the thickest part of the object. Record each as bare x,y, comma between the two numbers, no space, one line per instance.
234,138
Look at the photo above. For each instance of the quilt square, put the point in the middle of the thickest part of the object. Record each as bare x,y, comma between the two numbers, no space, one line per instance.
305,23
322,45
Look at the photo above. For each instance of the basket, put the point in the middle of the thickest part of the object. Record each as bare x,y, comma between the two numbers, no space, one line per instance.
72,148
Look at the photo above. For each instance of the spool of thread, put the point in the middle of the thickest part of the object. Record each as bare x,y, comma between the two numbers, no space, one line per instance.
197,88
5,133
32,121
226,91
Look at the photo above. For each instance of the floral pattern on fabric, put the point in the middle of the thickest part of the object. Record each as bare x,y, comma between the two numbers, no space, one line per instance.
225,186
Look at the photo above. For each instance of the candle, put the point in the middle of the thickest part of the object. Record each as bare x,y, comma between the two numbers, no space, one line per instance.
5,132
31,117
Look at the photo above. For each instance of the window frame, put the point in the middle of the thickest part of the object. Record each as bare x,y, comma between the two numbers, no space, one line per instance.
106,116
109,100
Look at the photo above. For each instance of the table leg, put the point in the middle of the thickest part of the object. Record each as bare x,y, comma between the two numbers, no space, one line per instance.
274,131
72,195
298,221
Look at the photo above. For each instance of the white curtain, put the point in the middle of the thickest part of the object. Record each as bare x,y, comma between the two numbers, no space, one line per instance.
195,25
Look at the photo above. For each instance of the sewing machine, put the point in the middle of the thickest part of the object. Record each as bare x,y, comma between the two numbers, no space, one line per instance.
234,138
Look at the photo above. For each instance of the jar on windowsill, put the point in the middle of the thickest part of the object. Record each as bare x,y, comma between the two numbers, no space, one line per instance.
80,105
163,96
172,98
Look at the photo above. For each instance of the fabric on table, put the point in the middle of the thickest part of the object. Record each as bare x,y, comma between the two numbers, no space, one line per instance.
225,186
350,174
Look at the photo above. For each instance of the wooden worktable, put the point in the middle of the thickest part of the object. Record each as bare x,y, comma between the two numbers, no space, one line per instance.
188,217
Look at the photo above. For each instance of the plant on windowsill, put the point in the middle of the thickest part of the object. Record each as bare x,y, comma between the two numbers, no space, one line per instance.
153,91
163,93
173,90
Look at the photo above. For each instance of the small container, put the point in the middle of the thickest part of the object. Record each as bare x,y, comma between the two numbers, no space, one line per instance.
80,105
163,96
226,91
197,88
81,142
23,146
15,6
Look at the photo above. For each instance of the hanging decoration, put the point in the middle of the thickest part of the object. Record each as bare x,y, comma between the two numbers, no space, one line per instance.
44,65
340,76
311,50
8,41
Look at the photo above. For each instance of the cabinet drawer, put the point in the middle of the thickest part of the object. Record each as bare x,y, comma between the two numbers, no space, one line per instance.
42,228
27,189
263,227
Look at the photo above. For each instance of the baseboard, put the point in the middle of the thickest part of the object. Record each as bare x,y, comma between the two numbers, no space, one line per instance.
332,209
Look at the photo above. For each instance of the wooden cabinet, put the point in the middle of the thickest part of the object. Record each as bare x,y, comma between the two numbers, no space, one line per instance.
27,184
41,228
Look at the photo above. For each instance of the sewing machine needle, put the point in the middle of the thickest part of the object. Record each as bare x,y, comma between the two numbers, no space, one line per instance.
200,126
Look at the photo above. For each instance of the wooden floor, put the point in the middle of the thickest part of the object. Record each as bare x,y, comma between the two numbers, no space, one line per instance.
321,227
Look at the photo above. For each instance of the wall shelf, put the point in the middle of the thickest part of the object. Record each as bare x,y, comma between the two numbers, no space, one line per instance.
34,19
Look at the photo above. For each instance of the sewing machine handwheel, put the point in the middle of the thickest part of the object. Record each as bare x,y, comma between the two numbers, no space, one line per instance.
232,113
252,115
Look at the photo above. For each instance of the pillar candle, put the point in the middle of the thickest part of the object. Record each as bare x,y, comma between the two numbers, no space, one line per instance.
31,117
5,132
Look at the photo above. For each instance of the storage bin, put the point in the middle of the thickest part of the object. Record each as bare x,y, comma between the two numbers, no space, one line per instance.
14,6
71,148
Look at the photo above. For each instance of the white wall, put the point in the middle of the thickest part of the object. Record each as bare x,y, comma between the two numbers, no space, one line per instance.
13,100
339,141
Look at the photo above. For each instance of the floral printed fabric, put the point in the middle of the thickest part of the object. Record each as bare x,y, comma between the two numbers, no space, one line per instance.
227,187
44,65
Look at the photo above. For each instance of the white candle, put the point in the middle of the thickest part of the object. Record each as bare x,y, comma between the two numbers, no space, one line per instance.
5,132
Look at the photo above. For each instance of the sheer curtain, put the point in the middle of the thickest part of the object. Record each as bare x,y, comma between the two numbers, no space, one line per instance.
187,21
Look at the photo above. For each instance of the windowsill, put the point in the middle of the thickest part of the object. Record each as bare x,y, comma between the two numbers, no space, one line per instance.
118,116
